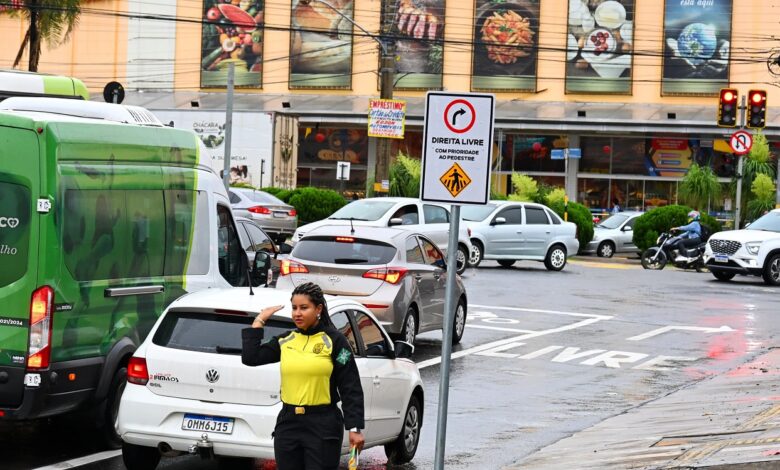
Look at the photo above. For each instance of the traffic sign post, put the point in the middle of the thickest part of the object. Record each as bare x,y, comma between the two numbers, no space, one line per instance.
457,153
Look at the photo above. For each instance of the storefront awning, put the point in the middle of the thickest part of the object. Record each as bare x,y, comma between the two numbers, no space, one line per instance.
511,115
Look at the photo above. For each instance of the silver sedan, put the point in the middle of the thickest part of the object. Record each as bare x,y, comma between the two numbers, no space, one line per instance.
508,231
274,216
398,274
614,235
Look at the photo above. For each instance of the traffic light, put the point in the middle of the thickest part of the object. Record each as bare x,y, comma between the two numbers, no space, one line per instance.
727,107
756,110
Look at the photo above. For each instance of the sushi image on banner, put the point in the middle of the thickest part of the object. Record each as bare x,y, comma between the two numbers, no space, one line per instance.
697,42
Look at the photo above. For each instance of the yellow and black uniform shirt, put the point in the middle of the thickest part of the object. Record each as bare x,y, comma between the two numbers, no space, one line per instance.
317,367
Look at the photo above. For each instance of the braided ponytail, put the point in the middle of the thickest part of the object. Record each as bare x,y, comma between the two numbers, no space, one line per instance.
315,295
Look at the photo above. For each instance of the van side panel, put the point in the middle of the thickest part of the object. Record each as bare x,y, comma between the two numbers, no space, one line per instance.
19,189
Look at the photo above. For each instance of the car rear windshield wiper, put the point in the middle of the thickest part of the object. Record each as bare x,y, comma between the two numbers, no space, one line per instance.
350,261
228,350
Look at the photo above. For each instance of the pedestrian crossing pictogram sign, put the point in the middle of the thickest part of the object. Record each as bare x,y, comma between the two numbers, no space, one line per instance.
455,180
457,149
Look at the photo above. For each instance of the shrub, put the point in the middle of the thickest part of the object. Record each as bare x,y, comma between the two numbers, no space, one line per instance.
314,204
283,194
405,177
555,195
525,188
580,216
764,191
659,220
699,186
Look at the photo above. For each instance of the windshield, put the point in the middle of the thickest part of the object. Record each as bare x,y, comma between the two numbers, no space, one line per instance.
363,210
476,213
613,221
769,222
265,198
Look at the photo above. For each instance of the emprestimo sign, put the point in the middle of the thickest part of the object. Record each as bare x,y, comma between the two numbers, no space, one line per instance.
458,147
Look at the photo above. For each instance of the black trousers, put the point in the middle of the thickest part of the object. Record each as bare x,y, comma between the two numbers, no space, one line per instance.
310,441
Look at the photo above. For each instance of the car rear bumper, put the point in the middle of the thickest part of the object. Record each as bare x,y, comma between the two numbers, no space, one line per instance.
147,419
275,225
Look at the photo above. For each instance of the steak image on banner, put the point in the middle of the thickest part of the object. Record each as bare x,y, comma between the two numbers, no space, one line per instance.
321,44
506,35
697,40
232,33
599,46
419,27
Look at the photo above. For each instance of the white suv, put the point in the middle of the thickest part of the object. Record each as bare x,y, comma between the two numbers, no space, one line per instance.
755,251
188,392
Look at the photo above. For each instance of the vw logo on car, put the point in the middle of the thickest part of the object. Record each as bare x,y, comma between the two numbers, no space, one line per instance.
212,376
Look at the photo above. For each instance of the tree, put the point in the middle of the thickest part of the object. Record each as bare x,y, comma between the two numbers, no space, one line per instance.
763,190
524,187
48,20
405,175
699,187
757,162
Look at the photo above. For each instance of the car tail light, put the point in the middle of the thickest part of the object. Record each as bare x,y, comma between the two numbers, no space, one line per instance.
137,372
292,213
292,267
39,345
259,210
389,275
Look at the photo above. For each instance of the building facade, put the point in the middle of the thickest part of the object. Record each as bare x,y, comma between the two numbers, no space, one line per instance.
632,84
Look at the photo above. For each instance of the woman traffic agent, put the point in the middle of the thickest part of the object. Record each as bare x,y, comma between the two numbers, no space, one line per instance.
318,370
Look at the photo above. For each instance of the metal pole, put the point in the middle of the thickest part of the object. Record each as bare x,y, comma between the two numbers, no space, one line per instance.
228,125
740,166
450,303
384,146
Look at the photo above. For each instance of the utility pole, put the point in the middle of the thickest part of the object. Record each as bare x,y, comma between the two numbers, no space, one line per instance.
740,166
228,125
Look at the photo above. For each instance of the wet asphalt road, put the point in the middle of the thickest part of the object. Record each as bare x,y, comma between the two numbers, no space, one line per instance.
545,355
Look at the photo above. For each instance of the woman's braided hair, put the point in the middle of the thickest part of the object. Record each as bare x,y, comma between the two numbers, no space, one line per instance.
315,295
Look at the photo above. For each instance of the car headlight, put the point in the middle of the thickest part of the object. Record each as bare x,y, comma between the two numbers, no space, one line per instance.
753,247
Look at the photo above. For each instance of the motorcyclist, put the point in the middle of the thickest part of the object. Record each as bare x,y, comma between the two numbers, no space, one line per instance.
691,235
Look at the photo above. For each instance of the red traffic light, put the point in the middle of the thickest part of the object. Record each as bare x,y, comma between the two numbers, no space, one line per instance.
727,107
757,96
728,95
756,111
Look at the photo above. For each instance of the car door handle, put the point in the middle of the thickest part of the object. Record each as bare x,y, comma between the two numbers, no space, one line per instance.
519,232
377,381
437,276
417,277
547,233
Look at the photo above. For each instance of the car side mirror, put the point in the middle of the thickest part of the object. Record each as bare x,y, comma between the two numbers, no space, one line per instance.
627,229
403,350
395,221
260,268
285,248
376,350
498,221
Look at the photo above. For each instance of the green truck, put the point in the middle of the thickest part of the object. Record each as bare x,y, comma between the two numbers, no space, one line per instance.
106,216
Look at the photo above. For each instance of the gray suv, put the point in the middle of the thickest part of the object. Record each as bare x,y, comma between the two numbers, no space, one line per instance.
508,231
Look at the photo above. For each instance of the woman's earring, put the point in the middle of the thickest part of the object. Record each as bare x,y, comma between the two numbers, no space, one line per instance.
318,316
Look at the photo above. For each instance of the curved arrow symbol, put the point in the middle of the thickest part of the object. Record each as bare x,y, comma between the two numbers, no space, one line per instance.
457,113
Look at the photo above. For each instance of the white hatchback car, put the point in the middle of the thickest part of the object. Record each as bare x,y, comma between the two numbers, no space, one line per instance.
188,391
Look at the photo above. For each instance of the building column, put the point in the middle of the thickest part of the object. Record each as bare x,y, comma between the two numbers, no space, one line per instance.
573,167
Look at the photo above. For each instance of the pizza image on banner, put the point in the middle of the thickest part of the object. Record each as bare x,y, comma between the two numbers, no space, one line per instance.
455,180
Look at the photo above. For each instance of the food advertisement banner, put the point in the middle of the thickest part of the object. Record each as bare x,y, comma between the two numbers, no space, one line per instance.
697,39
232,33
321,44
506,34
419,27
251,143
599,45
386,118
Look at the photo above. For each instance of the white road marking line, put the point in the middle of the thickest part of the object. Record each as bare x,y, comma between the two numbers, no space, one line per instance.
109,454
484,347
550,312
498,328
666,329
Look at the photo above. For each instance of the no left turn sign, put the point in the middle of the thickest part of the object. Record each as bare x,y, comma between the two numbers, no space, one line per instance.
741,142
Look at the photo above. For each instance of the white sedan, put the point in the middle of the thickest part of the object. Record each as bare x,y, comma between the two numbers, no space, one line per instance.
188,392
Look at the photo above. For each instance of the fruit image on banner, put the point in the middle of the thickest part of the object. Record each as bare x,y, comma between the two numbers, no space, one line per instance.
232,33
697,42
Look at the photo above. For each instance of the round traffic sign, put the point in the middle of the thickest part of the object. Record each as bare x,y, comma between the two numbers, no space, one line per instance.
741,142
459,116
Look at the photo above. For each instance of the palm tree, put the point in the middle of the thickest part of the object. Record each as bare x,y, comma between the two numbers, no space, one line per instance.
699,187
49,20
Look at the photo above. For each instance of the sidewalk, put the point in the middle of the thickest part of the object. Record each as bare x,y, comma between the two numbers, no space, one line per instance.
731,421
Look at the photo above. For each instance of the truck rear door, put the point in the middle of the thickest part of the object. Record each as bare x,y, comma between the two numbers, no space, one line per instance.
19,189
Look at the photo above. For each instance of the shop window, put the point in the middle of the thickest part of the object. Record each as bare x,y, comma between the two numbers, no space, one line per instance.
593,193
323,145
629,156
596,153
532,153
660,193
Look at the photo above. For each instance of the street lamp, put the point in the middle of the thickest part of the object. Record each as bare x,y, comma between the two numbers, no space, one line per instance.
386,77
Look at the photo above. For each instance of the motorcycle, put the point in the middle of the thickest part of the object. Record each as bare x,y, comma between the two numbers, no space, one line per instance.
657,257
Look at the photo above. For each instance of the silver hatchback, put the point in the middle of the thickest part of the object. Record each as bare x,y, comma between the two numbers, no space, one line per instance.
398,274
274,216
508,231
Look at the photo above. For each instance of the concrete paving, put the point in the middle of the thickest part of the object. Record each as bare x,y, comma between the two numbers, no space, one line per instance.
730,421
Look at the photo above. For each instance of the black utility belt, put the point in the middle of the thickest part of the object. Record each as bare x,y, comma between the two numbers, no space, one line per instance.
308,409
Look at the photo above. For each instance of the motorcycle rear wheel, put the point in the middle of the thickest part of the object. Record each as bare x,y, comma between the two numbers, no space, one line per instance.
657,264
